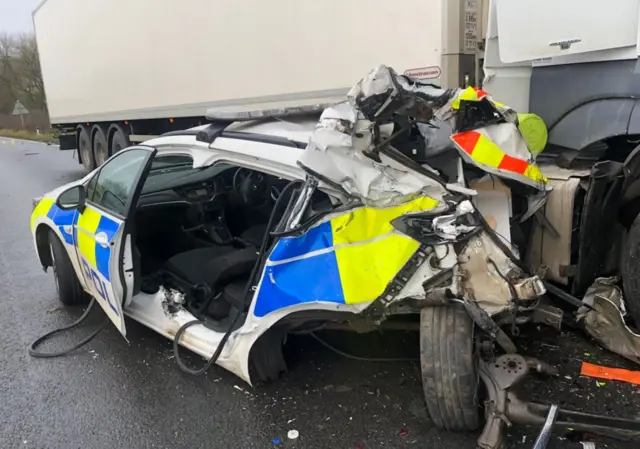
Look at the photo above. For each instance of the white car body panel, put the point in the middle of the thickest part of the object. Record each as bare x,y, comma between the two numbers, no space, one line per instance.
338,155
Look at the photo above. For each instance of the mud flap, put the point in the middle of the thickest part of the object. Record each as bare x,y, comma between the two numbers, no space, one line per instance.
599,216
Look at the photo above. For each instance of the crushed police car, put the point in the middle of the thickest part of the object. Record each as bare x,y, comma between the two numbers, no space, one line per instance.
404,200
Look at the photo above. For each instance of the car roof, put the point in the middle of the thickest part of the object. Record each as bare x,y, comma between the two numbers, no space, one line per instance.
291,133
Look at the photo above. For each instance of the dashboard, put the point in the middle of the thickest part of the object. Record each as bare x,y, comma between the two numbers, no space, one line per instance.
194,186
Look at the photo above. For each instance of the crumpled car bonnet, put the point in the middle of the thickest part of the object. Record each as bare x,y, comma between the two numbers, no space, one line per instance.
352,145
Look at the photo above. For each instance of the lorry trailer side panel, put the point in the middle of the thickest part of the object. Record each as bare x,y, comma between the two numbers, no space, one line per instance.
114,60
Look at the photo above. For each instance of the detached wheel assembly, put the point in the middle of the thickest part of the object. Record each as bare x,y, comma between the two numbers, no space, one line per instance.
450,374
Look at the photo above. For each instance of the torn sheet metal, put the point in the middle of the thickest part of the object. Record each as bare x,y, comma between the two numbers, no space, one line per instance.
346,145
352,146
493,201
605,323
501,150
491,279
437,227
336,151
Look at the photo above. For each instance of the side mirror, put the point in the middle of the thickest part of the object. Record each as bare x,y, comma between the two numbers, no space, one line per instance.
72,198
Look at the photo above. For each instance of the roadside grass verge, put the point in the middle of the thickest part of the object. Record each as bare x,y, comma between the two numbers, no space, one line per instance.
27,135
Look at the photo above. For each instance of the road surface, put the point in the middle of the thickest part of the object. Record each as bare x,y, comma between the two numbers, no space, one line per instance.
118,394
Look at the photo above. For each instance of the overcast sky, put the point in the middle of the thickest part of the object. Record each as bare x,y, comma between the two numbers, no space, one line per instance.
15,15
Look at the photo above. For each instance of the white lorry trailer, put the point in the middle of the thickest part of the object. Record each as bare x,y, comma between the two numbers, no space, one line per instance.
120,71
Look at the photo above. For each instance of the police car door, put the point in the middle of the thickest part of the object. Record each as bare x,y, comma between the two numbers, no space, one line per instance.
102,240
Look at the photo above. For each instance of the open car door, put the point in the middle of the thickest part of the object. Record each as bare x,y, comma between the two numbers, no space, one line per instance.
102,236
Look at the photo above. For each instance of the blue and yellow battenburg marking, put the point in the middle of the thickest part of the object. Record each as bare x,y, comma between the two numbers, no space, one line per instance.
88,224
349,259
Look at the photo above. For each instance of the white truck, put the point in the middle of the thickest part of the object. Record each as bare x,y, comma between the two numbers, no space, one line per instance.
121,71
575,64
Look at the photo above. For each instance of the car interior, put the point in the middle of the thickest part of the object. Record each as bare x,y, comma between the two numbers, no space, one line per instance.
199,231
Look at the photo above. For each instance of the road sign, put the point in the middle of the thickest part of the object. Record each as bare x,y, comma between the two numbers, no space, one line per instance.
19,109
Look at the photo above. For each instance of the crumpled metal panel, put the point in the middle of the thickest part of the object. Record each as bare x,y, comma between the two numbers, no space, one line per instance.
336,152
484,271
605,320
352,146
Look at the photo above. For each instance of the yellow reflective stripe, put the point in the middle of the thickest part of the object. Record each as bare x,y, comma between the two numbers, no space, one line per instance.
366,270
88,222
469,94
41,210
533,172
486,152
366,223
368,253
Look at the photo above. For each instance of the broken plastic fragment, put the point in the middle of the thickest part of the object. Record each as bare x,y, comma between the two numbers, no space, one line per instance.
448,226
603,319
293,434
604,372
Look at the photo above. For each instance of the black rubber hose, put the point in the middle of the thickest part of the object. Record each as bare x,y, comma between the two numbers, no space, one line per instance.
49,355
247,289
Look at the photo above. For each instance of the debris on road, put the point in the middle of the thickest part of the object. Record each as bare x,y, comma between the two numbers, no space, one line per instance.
603,318
293,434
604,372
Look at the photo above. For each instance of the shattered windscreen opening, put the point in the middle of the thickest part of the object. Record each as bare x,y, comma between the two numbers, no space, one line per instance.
477,114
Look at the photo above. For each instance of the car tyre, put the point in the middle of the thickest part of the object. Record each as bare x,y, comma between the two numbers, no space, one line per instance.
630,268
450,376
70,292
85,149
100,146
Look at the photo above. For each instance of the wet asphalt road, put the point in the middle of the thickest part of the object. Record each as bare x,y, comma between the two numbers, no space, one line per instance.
114,394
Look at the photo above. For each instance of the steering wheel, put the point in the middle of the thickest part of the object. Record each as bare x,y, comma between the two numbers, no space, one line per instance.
253,187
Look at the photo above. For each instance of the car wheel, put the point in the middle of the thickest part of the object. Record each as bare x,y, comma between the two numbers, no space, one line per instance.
630,268
100,146
450,377
119,141
68,287
85,150
266,359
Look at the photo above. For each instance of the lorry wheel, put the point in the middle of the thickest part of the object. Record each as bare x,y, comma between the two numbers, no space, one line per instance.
630,268
69,290
85,150
450,376
100,145
119,141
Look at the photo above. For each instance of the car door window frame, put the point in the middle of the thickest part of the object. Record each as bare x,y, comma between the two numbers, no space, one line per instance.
94,178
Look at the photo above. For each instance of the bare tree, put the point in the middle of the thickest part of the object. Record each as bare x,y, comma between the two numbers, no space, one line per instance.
27,67
20,75
7,80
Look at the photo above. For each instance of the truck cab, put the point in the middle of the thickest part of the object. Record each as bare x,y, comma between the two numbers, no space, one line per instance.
575,65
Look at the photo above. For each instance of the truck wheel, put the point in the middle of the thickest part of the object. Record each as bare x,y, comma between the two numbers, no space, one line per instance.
69,290
630,268
85,150
100,146
450,375
119,141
